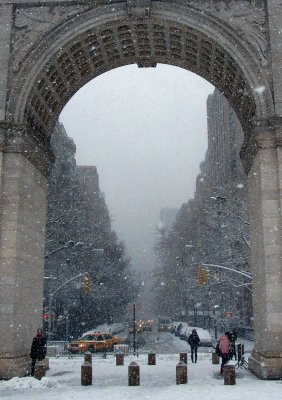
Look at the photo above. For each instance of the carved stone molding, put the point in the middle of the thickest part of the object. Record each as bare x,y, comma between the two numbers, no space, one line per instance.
32,23
266,134
16,139
138,8
247,19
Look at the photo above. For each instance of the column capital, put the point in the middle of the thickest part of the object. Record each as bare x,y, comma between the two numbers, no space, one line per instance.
16,138
265,134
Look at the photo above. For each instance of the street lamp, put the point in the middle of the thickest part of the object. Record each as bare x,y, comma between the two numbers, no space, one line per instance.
215,307
185,248
220,201
69,245
51,297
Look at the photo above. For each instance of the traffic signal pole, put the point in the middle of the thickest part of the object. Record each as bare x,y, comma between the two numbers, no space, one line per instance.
134,329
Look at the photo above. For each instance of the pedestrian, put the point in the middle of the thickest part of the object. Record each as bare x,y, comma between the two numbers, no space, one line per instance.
38,349
232,336
223,348
178,330
194,342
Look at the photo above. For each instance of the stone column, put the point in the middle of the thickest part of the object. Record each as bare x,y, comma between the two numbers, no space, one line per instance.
265,217
6,19
274,12
22,238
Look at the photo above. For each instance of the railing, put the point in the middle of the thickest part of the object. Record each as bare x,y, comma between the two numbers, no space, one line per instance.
57,349
246,332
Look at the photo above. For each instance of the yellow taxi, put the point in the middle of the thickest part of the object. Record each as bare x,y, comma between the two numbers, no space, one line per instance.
94,342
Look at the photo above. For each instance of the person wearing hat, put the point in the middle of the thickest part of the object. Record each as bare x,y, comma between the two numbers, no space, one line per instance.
38,349
194,342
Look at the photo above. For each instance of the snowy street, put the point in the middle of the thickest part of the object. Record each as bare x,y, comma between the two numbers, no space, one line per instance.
110,382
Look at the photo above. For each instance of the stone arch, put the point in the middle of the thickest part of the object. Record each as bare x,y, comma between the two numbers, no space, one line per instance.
104,38
74,48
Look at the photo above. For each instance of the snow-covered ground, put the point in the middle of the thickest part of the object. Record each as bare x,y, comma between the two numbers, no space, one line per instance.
156,382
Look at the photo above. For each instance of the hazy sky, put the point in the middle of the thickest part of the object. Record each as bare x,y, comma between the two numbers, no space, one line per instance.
145,130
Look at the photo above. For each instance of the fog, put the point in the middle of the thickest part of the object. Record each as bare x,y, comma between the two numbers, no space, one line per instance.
145,130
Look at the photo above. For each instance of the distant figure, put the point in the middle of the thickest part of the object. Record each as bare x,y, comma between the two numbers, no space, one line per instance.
178,330
194,342
232,336
223,347
38,349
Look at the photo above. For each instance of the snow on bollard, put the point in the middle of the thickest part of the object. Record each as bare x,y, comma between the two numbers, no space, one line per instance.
88,357
120,358
183,357
133,374
86,374
39,371
152,358
229,374
215,358
181,373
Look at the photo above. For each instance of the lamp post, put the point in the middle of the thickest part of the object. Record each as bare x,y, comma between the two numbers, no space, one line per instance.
51,297
220,201
69,245
184,250
215,320
66,314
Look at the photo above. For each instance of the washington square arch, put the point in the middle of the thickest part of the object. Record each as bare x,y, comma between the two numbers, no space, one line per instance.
50,48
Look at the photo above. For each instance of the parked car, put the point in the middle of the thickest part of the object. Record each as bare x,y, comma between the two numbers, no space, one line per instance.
204,335
183,336
94,342
178,332
164,324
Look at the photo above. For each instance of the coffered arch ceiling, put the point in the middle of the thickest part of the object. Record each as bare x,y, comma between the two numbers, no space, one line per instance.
87,49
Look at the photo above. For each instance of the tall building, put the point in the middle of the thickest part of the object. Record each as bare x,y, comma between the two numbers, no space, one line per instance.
79,239
225,137
167,217
215,224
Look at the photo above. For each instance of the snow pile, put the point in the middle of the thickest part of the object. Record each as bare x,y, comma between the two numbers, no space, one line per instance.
106,328
187,329
28,383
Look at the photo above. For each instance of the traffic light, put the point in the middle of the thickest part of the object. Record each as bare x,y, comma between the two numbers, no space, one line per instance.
86,284
203,276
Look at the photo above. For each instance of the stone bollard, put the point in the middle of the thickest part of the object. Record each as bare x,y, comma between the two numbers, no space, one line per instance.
39,370
86,374
152,358
215,358
120,358
183,357
88,357
133,374
181,373
45,362
229,375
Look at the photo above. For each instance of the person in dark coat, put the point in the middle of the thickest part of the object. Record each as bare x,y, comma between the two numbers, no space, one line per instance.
38,349
194,342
